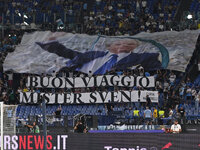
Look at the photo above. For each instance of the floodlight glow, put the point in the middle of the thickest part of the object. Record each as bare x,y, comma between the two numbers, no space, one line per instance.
26,23
189,16
61,27
25,16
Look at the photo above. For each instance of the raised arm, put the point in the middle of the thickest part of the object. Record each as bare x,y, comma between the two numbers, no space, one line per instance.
59,49
30,126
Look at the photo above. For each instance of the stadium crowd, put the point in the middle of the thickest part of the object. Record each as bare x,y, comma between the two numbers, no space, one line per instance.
130,17
113,17
121,17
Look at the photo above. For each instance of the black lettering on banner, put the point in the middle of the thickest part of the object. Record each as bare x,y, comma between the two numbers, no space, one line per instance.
56,98
77,99
147,82
113,96
128,97
67,81
92,96
26,99
81,98
104,80
95,81
39,96
124,80
139,94
66,98
85,82
54,81
135,81
46,98
42,82
33,80
112,79
102,97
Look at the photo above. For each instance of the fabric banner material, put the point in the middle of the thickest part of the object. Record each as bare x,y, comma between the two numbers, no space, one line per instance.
46,52
88,98
96,81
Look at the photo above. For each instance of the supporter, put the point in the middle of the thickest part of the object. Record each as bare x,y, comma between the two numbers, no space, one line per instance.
136,113
182,115
197,97
161,113
176,128
37,90
160,98
54,73
182,111
90,74
10,79
188,82
119,72
17,97
170,113
155,115
109,108
11,97
172,77
148,101
182,91
5,98
136,116
5,80
176,115
148,115
141,71
70,74
34,128
80,128
189,94
82,75
193,92
57,113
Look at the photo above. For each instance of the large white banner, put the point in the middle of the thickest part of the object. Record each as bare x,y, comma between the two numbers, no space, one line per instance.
89,98
153,96
45,52
96,81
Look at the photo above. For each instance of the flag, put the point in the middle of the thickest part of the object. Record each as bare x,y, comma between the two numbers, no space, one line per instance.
167,146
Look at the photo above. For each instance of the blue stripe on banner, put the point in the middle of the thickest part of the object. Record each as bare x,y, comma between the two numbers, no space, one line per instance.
95,42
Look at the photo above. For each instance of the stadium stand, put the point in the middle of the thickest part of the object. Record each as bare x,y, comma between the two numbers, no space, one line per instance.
113,17
97,17
87,25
